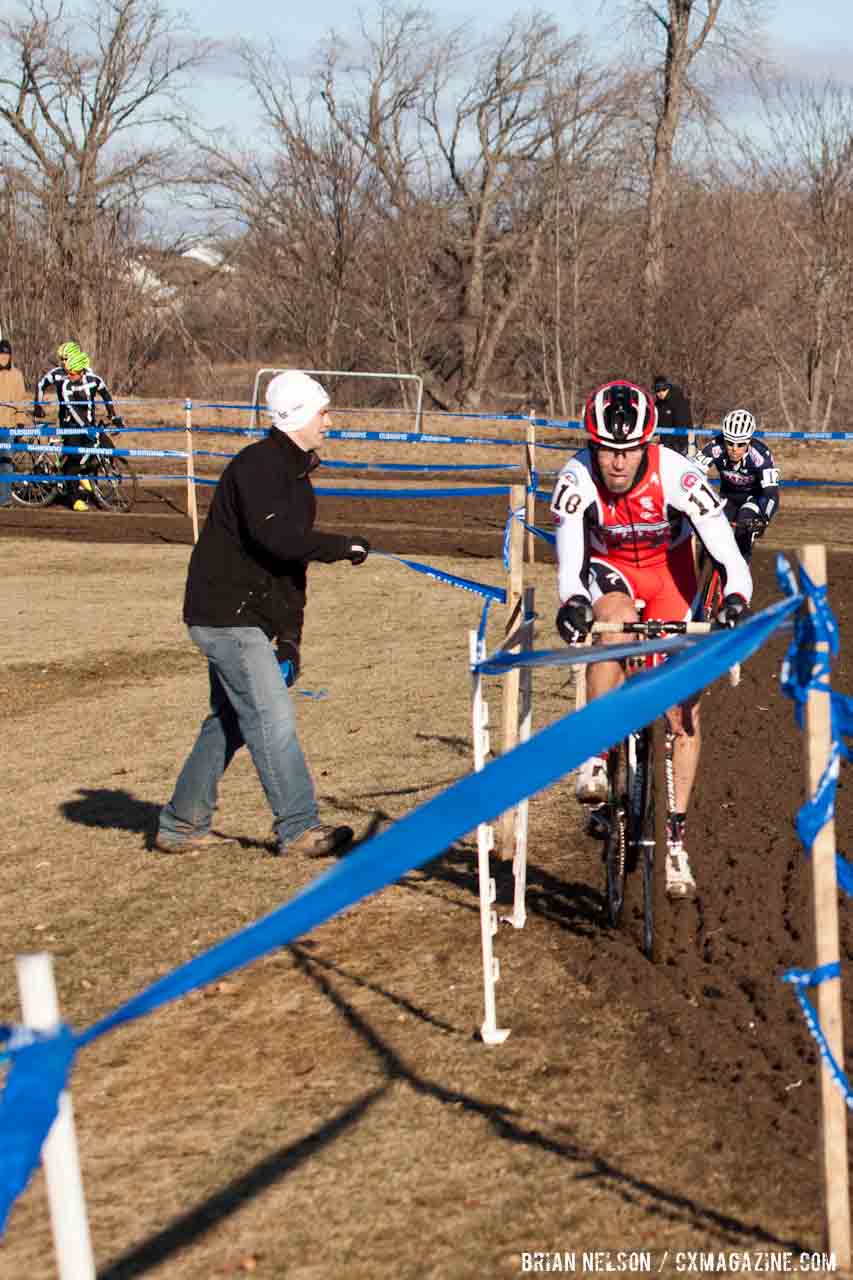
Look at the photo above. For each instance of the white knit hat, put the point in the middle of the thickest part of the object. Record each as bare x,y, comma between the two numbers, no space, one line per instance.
293,399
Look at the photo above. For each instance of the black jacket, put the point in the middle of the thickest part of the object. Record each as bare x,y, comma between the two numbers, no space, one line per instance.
248,568
675,411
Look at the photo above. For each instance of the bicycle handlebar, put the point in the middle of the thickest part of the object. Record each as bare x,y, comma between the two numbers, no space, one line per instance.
652,629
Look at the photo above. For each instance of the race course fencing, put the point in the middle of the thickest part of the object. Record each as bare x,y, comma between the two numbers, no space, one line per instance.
41,1058
200,467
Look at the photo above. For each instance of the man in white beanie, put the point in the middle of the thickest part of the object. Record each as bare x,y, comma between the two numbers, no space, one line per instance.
244,605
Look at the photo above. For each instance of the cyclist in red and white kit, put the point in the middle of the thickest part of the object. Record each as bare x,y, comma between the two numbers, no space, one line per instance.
625,511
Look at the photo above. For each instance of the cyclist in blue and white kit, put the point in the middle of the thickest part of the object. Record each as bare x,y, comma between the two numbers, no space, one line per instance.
749,478
77,387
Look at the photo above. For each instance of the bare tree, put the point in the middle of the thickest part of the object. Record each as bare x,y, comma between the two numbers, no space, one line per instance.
471,130
89,109
804,183
687,27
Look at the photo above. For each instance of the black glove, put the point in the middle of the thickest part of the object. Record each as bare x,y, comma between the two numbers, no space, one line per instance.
38,411
574,619
733,609
117,420
760,526
287,656
358,549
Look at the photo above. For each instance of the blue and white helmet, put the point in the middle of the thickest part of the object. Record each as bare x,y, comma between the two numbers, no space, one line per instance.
738,426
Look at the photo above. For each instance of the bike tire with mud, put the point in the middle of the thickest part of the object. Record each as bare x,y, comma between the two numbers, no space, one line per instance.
657,925
114,485
616,843
32,493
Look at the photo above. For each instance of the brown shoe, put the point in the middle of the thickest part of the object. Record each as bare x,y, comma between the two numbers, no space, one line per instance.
319,842
208,841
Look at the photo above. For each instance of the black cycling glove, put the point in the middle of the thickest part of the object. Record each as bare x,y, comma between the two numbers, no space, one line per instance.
732,611
574,619
358,550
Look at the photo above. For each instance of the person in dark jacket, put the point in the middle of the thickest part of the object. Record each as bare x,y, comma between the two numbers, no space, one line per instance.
673,411
244,604
12,395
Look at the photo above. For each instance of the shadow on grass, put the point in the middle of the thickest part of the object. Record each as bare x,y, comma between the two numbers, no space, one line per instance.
108,808
191,1226
570,904
506,1123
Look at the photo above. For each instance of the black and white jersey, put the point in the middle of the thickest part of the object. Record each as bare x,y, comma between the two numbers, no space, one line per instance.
755,476
76,399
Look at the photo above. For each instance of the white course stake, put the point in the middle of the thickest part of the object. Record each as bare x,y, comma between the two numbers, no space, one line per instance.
518,919
490,1032
192,499
71,1240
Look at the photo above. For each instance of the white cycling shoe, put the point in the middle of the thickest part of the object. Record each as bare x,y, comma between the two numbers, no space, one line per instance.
591,782
679,877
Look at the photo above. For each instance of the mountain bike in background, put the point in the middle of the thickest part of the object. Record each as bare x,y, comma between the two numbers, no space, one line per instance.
640,800
112,482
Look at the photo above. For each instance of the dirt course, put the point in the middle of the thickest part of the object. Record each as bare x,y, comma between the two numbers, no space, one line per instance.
329,1111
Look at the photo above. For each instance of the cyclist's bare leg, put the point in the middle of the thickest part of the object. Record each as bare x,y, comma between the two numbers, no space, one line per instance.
684,723
616,606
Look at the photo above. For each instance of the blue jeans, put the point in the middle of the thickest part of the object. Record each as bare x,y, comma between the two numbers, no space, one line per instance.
249,705
6,468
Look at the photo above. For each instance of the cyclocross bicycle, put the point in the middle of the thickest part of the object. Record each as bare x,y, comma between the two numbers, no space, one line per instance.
640,800
114,485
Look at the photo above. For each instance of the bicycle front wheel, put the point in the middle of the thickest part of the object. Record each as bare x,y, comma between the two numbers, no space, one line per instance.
654,843
616,845
114,485
33,493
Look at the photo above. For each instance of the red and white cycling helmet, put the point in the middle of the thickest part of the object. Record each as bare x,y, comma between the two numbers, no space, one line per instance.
620,415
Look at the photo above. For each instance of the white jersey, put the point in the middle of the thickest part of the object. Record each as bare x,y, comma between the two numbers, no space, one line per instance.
670,499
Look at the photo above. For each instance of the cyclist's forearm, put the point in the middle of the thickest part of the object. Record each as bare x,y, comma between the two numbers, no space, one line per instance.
768,503
719,541
570,558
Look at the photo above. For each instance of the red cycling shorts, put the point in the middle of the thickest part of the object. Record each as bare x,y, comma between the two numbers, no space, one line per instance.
670,590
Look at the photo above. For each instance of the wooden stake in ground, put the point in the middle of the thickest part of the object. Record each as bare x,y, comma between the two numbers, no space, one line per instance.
818,739
192,505
73,1246
530,496
514,590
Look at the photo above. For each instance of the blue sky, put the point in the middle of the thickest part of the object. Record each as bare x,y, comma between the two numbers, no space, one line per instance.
813,40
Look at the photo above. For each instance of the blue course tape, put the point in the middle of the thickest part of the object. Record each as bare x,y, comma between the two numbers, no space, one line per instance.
518,514
418,437
96,452
452,579
418,466
807,668
29,1102
803,978
473,491
579,655
49,430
